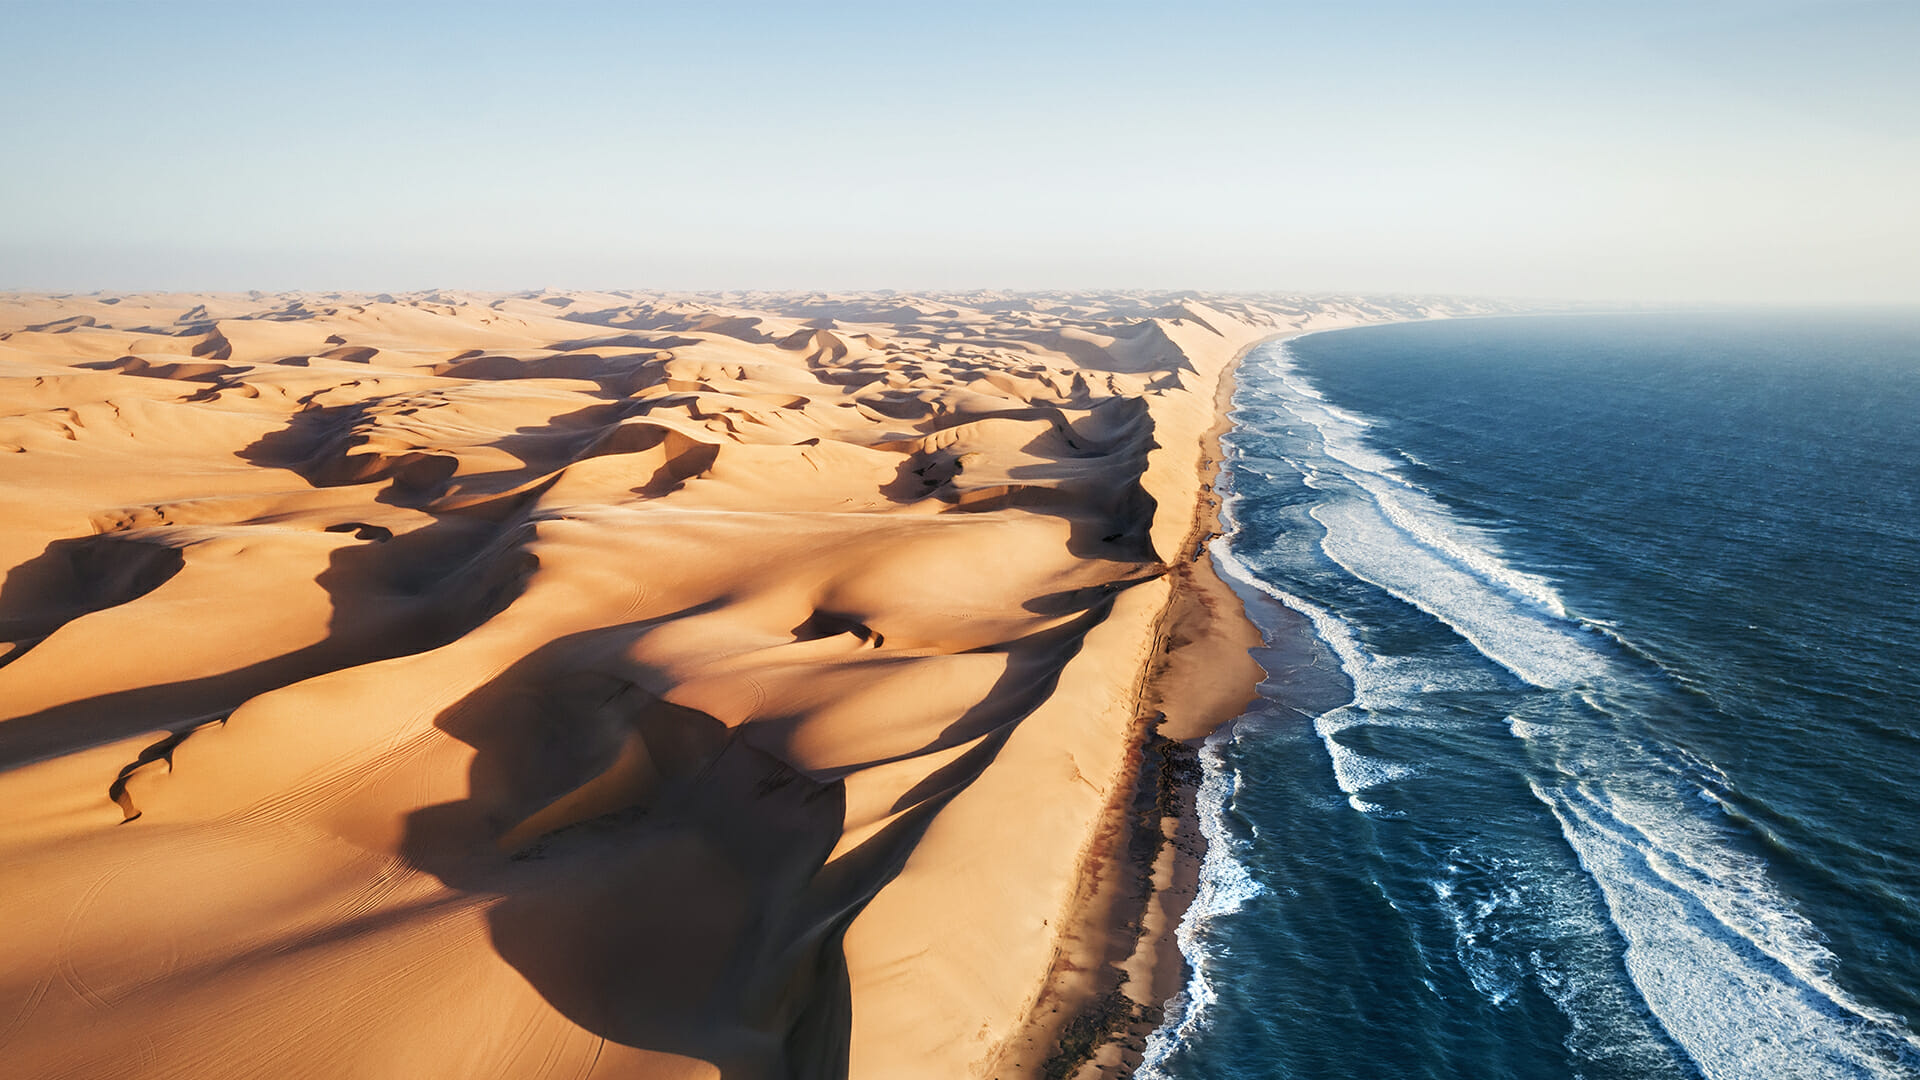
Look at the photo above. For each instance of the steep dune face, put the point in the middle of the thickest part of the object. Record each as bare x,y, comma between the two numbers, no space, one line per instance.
571,684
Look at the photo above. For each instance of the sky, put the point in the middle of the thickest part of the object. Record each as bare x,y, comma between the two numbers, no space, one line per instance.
1684,151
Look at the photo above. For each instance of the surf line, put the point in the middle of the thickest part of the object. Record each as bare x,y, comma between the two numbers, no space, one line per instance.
1710,942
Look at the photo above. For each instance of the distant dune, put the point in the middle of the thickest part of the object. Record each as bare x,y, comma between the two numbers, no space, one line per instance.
467,686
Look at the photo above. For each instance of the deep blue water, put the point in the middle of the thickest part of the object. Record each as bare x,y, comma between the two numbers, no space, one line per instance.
1591,741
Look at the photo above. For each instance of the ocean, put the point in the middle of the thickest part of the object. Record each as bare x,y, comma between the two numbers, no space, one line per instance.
1593,720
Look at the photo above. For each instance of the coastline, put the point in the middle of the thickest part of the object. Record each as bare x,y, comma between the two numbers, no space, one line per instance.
1119,960
1218,624
1217,642
986,822
1248,947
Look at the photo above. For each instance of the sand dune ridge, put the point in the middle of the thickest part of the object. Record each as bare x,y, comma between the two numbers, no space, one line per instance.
575,684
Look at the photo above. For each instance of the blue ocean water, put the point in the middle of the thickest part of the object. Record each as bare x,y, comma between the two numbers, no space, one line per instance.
1591,741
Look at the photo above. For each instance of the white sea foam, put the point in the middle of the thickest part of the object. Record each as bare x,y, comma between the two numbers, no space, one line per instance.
1515,922
1735,975
1411,509
1532,644
1225,887
1372,677
1496,976
1330,628
1402,540
1356,772
1301,389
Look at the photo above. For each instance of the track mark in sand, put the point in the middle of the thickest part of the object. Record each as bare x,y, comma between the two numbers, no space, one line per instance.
558,1041
68,935
332,782
357,965
509,1058
394,872
328,935
28,1007
640,596
759,693
594,1061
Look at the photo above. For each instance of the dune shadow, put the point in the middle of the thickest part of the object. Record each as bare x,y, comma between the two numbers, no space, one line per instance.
660,881
390,595
77,577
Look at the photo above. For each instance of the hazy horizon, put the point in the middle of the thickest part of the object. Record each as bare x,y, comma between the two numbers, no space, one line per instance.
1705,152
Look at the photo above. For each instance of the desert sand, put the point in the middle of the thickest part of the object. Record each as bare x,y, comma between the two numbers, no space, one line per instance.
568,684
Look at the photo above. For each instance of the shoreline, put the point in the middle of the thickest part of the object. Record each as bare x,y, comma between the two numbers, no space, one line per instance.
989,819
1101,1001
1163,864
1120,960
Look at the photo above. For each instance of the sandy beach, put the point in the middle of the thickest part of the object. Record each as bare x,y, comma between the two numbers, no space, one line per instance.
607,684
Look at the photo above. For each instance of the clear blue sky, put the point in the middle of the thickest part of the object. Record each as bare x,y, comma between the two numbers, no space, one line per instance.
1686,150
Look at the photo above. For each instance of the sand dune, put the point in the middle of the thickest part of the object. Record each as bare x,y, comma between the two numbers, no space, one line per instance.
577,684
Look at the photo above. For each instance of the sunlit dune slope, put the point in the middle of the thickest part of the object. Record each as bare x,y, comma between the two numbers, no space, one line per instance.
568,684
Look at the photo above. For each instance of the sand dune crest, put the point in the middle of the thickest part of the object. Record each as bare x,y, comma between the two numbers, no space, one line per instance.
575,684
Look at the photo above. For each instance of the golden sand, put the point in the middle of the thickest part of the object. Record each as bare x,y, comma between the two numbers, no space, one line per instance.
584,684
